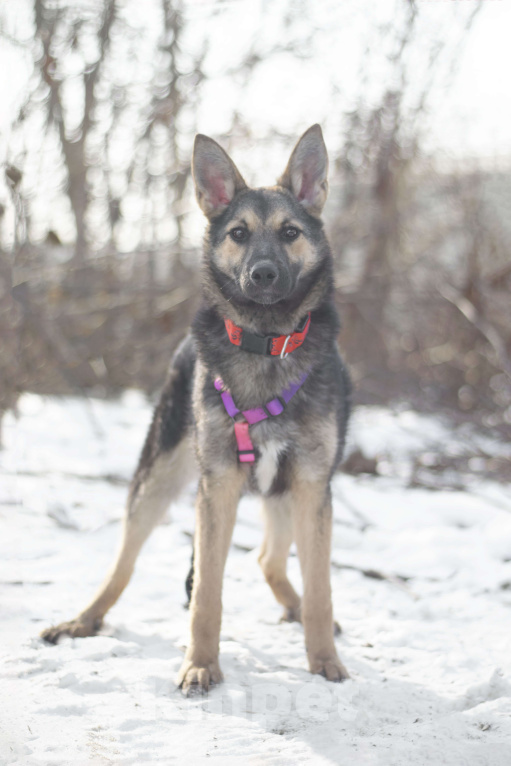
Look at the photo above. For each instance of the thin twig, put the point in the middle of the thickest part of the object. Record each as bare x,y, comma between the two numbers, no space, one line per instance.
365,523
374,574
470,312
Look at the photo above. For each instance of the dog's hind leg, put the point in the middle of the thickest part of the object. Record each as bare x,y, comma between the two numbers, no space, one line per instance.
146,507
278,537
166,465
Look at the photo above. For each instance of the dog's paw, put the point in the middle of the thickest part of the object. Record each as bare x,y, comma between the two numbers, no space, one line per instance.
195,679
331,668
292,614
78,628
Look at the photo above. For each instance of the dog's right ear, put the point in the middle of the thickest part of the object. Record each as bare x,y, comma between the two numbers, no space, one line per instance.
217,179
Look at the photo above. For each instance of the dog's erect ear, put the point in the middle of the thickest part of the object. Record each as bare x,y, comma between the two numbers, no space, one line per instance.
307,171
217,179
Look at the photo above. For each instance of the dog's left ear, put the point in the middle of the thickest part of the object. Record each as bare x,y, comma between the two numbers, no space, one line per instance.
217,179
307,171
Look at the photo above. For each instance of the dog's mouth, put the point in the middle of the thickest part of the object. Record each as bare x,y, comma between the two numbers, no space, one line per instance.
265,297
242,290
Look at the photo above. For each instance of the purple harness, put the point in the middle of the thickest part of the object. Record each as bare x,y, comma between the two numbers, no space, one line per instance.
246,452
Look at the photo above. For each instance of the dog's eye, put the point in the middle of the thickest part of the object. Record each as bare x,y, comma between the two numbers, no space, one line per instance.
290,233
238,234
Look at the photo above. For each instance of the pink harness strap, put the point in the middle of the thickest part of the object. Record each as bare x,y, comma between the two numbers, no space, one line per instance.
246,451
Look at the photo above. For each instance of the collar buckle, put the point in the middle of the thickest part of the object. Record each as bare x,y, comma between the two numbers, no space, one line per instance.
255,344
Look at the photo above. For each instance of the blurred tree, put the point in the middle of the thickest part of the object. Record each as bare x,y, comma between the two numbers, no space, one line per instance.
99,157
64,33
115,108
416,307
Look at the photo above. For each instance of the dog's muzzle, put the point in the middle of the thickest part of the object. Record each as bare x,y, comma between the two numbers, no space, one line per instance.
265,282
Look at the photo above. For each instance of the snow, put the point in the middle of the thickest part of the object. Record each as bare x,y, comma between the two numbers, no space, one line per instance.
428,654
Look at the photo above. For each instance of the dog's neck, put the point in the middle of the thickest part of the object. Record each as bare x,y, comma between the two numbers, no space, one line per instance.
254,378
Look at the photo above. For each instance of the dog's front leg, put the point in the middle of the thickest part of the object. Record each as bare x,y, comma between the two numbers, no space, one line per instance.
216,506
312,523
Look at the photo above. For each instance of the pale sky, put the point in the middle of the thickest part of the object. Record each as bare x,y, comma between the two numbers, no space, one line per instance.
471,116
468,114
474,115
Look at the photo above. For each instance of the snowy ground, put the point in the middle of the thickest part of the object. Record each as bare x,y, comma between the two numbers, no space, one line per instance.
429,655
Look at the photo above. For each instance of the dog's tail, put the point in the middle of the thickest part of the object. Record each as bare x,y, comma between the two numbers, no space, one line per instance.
166,449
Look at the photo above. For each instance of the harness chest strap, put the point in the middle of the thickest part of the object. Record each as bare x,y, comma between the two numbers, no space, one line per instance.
246,452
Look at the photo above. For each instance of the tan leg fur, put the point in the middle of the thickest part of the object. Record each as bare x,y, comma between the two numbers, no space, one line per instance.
278,537
166,478
217,502
312,526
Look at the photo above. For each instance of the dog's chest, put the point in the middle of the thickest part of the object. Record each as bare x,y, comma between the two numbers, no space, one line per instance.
267,465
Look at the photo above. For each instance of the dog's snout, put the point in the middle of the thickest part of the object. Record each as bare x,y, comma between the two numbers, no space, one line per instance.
263,274
266,281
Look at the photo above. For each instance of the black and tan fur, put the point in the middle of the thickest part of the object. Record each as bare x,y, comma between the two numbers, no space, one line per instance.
265,279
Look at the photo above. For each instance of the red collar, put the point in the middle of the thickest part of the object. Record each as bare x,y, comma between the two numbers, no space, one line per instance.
270,345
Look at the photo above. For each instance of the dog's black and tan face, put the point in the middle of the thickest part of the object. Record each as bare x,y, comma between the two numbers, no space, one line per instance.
263,244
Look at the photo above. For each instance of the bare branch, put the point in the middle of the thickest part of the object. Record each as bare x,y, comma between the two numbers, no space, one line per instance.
469,311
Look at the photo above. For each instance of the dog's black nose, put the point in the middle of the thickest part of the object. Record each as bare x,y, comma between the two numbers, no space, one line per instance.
263,274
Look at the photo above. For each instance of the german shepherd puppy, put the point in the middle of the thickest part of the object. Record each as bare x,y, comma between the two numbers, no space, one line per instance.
259,394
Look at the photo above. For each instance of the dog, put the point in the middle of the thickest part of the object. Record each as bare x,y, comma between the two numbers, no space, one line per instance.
257,397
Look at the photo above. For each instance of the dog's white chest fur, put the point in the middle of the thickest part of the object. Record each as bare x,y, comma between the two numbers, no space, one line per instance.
268,463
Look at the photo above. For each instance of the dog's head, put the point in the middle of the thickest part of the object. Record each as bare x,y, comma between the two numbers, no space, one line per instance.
263,245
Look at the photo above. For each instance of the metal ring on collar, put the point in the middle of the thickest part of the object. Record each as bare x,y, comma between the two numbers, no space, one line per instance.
283,352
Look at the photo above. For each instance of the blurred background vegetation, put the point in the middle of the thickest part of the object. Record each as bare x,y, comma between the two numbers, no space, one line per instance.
100,238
